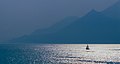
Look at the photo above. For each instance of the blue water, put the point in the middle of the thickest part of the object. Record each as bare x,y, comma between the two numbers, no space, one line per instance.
59,54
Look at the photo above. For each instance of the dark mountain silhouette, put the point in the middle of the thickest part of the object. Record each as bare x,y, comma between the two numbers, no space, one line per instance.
95,27
113,11
58,26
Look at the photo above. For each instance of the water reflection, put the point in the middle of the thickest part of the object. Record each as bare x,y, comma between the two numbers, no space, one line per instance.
59,54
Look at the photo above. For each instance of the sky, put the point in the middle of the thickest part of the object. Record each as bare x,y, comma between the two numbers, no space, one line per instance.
20,17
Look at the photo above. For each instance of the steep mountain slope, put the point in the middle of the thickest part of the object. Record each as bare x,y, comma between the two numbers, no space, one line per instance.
95,27
113,11
58,26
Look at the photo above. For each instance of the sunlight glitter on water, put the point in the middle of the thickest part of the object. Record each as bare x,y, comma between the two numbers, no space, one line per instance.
60,54
77,54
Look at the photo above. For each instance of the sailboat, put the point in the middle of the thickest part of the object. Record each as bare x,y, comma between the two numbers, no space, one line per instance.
87,47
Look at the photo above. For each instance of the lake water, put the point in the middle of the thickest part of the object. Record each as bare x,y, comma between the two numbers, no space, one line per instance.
59,54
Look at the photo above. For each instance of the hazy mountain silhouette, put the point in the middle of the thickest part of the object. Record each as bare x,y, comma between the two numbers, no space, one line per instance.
113,11
95,27
58,26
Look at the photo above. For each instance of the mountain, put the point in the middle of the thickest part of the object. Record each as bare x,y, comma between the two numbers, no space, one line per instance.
113,11
58,26
95,27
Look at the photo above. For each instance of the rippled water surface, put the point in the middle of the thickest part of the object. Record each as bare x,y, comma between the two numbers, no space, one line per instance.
59,54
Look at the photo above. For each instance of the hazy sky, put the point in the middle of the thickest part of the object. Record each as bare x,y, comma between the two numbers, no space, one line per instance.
19,17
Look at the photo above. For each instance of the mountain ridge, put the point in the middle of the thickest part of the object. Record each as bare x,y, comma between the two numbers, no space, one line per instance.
94,27
113,11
